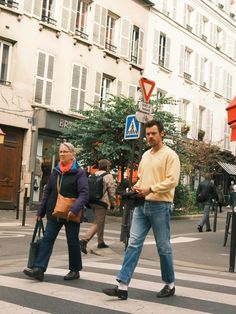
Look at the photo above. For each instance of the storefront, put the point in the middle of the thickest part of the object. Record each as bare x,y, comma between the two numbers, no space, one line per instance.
49,127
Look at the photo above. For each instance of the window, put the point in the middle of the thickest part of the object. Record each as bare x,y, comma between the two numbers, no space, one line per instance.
136,45
44,78
5,50
219,38
106,88
48,10
78,87
132,91
68,15
110,32
82,19
10,3
204,72
164,51
188,12
187,63
99,27
229,86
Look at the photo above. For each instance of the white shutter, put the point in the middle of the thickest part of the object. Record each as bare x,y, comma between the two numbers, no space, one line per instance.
210,75
27,7
50,67
201,71
65,14
96,26
75,87
39,90
181,60
174,9
208,123
37,9
48,93
140,46
41,64
73,14
224,83
132,91
229,87
125,38
196,69
103,20
185,15
217,77
82,88
119,88
155,49
198,24
224,41
194,124
234,51
167,53
97,95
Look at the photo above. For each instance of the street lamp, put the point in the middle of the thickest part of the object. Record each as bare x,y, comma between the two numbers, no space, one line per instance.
2,136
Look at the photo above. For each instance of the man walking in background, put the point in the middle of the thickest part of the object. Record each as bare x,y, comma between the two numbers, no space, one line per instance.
158,175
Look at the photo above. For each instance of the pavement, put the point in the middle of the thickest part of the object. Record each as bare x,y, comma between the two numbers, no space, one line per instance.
191,249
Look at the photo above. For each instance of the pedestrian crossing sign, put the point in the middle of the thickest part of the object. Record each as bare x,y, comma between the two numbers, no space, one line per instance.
132,128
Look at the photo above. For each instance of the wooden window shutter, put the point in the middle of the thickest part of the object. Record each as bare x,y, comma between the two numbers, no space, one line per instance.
155,49
37,9
132,91
97,95
48,93
96,26
119,88
196,69
103,27
27,7
125,38
181,60
82,88
194,124
41,64
75,87
140,46
73,14
202,71
50,67
39,91
65,14
167,53
210,75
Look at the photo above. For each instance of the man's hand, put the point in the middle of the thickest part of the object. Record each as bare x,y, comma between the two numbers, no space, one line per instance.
70,215
143,192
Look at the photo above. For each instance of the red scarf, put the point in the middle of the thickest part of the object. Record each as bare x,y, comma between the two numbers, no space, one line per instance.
65,168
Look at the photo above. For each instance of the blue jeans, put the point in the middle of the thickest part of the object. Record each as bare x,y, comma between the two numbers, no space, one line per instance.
46,245
155,215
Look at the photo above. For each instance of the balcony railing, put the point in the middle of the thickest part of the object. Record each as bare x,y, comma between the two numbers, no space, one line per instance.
110,47
134,59
204,38
189,28
187,76
81,34
161,62
10,4
7,83
49,20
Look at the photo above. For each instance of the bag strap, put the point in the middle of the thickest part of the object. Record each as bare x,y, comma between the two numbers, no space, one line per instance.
37,230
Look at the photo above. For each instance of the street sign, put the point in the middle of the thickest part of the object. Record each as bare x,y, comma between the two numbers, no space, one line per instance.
145,107
132,128
143,117
147,87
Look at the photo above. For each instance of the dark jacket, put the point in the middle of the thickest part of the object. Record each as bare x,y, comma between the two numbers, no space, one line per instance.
73,183
209,189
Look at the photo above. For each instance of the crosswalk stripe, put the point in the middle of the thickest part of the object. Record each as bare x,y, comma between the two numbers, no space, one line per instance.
198,294
92,298
6,307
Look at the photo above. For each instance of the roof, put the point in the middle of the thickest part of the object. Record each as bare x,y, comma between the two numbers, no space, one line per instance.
229,168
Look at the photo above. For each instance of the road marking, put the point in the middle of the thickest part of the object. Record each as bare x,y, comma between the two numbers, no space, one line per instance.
6,234
6,307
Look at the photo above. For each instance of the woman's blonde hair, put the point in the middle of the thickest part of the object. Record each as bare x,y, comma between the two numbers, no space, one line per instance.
69,146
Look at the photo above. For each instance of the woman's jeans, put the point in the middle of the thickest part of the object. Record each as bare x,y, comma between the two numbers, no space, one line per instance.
46,245
155,215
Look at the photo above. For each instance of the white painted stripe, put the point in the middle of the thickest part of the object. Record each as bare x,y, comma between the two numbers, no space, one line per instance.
11,224
175,240
155,272
198,294
6,307
90,297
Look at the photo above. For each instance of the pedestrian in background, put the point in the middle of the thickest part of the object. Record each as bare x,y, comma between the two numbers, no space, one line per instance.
158,174
100,207
230,200
208,193
73,184
221,197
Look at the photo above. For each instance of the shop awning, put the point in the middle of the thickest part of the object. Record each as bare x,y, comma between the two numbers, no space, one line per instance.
229,168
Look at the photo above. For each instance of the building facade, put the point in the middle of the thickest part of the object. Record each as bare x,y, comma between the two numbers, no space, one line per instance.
58,56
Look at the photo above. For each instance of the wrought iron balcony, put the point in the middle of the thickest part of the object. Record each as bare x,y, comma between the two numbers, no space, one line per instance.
110,47
187,76
81,34
10,4
49,20
134,59
189,28
204,38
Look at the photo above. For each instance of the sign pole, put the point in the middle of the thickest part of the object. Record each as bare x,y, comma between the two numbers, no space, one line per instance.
131,166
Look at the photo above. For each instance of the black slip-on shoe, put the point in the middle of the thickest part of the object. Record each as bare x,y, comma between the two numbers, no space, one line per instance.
35,272
166,292
72,275
102,245
208,230
115,292
83,246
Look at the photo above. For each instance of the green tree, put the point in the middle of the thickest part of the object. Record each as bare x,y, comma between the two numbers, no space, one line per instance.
101,133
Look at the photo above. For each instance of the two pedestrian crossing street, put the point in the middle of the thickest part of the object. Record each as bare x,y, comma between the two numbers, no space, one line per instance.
197,291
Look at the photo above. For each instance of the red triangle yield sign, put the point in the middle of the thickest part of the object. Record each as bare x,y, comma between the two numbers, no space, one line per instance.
147,87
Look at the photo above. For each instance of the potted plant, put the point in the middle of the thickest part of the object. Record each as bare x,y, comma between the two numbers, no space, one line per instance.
185,129
201,134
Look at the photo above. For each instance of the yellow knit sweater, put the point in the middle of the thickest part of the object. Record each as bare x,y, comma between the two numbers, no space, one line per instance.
159,171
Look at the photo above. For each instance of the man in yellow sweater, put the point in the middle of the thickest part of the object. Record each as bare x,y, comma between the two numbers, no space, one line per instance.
158,175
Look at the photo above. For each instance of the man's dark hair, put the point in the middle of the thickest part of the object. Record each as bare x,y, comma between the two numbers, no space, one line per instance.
104,164
151,123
